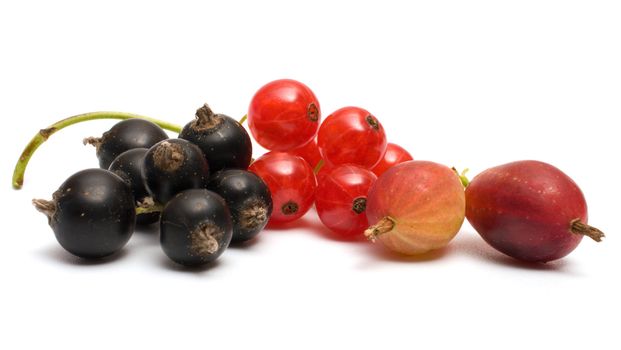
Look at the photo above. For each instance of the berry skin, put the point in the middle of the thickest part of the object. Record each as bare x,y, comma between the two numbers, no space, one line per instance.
123,136
172,166
310,153
528,210
225,143
195,227
341,200
352,135
92,213
291,182
248,198
283,115
394,155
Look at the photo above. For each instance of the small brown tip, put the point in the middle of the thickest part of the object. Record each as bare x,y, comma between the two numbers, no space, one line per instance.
206,119
93,141
386,224
580,228
372,121
359,205
46,207
312,112
204,240
289,208
168,156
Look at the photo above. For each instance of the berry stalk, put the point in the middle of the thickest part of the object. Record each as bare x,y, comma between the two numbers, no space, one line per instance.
44,134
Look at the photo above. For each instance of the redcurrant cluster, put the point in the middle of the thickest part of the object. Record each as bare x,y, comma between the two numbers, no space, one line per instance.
331,163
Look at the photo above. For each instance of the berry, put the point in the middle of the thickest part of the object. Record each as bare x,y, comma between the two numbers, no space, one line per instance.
394,155
225,143
92,213
528,210
283,115
291,182
341,199
195,228
248,199
172,166
415,207
352,135
123,136
310,153
128,165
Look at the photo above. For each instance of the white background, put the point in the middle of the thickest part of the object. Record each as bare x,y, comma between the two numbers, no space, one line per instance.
465,83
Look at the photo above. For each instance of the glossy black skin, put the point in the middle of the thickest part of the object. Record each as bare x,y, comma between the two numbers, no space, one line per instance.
125,135
240,189
128,165
95,214
183,215
226,146
163,184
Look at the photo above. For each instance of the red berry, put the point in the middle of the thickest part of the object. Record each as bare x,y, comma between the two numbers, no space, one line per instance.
394,155
528,210
352,135
284,115
341,199
309,152
415,207
291,182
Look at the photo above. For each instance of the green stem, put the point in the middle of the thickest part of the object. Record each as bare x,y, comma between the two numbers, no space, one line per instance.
243,119
157,208
44,134
462,176
318,166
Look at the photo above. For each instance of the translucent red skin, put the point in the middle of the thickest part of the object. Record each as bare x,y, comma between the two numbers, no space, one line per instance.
524,209
335,197
394,155
345,137
289,178
278,115
309,152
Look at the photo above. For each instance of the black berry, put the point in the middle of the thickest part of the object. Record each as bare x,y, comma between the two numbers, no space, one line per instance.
92,213
225,143
248,199
172,166
195,227
123,136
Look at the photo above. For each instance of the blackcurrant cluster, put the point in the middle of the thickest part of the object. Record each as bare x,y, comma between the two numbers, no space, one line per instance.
196,186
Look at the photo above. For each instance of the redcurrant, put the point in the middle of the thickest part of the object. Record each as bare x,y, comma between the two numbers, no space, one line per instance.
352,135
341,199
394,155
291,182
283,115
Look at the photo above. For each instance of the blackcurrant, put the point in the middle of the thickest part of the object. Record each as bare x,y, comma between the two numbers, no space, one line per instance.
128,165
172,166
92,213
225,143
123,136
248,199
195,227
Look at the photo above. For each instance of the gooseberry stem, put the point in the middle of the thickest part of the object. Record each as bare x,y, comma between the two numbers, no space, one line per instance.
462,176
44,134
580,228
386,224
